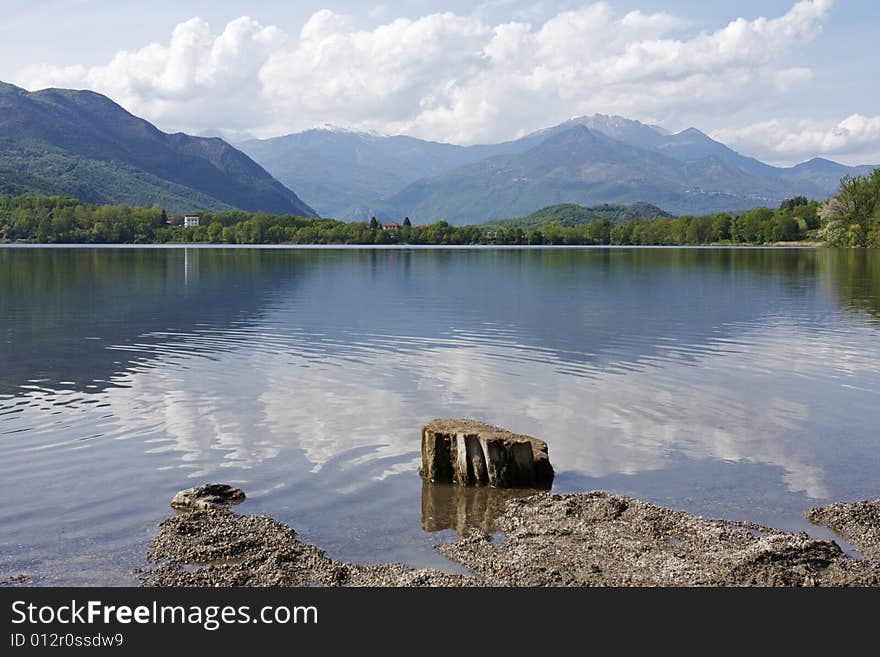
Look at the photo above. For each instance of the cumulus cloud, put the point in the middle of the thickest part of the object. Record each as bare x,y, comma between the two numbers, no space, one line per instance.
447,76
199,80
856,137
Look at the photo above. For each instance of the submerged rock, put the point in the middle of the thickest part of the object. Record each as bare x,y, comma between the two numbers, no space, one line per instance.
209,496
468,452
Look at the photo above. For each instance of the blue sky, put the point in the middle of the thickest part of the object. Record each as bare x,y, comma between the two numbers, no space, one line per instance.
799,84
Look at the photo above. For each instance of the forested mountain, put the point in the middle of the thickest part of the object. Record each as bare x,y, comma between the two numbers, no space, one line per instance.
571,215
82,144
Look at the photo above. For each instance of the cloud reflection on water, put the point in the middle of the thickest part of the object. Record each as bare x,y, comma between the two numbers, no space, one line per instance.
240,408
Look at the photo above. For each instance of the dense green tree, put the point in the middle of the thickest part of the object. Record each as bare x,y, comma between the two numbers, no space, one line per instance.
807,216
790,204
622,234
749,228
699,231
215,232
721,224
852,217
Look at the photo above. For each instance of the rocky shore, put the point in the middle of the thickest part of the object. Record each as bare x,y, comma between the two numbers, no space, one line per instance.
857,522
480,479
586,539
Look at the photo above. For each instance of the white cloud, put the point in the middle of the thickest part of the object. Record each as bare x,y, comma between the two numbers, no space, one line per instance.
199,80
447,76
855,138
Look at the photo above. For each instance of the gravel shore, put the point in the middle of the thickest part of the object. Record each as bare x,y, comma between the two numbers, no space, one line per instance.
585,539
857,522
217,547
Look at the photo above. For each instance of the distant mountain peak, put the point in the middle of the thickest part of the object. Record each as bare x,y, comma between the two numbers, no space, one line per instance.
693,133
629,131
820,162
346,130
574,138
5,87
612,118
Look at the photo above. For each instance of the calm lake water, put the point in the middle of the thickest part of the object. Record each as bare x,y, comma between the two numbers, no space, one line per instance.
739,383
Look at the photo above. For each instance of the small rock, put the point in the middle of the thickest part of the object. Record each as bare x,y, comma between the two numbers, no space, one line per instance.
209,496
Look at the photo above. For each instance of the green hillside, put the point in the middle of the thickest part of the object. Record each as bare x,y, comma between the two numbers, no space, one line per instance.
82,144
572,214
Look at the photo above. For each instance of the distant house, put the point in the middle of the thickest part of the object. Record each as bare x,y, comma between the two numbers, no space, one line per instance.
390,225
190,221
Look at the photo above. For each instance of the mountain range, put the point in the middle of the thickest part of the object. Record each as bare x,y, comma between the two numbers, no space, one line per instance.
82,144
587,160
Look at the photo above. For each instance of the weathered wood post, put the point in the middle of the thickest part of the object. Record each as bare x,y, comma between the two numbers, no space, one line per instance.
468,452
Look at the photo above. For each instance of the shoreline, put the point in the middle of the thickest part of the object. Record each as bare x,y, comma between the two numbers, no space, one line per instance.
399,247
581,539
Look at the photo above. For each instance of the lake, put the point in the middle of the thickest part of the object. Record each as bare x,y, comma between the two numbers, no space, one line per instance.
737,383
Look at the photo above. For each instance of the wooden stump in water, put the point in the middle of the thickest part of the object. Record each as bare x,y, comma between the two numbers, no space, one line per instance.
468,452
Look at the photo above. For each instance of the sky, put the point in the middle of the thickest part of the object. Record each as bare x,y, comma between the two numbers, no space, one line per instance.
780,80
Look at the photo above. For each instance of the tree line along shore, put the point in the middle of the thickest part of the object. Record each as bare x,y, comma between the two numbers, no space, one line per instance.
851,218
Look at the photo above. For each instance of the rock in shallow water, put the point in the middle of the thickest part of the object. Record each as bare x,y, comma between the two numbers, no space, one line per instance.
468,452
209,496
